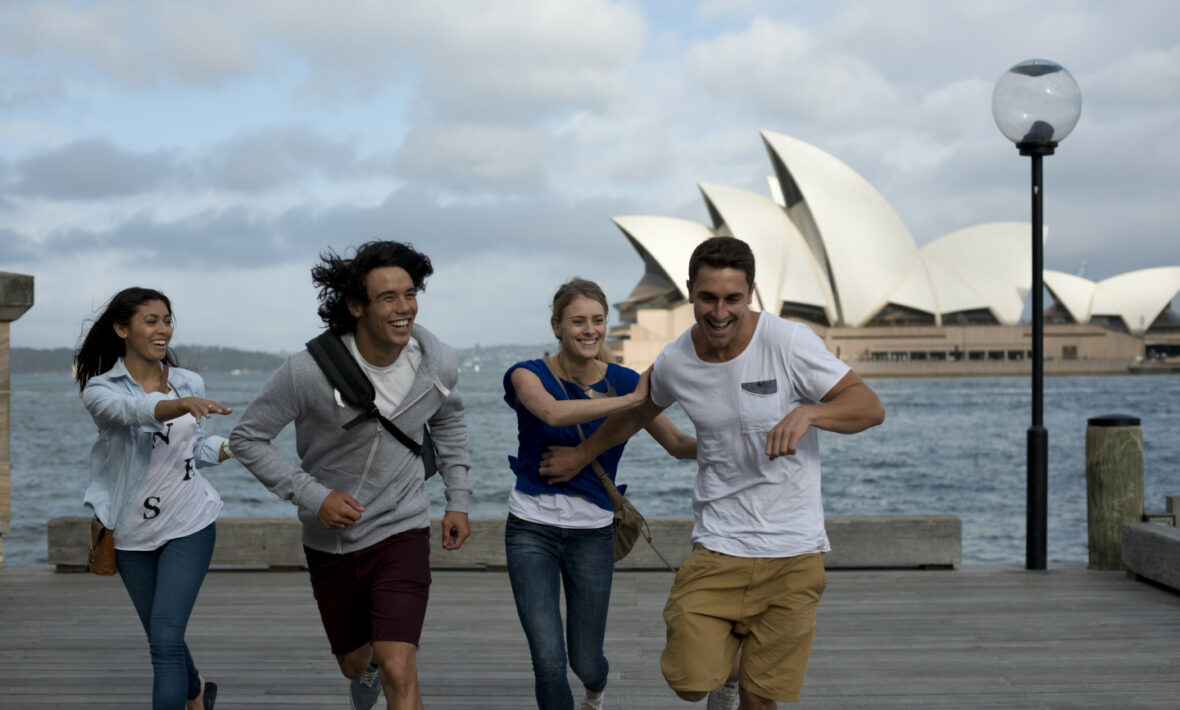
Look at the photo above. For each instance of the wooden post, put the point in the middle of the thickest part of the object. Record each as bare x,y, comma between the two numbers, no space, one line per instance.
1114,485
16,297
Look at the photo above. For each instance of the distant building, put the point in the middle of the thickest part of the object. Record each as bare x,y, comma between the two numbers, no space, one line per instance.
833,253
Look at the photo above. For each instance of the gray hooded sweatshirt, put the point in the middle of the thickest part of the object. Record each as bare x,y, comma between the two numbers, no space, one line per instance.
366,461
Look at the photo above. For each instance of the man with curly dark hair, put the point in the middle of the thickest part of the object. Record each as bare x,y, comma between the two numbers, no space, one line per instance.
361,492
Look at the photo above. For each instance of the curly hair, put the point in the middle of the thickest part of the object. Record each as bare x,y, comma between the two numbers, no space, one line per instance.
339,278
101,347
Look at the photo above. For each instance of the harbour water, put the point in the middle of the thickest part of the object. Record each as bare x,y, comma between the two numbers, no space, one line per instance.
949,446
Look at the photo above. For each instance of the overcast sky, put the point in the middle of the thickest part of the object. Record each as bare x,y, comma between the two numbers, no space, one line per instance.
214,149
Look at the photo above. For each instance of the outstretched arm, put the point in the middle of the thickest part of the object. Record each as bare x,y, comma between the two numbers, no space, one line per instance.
531,393
560,463
849,407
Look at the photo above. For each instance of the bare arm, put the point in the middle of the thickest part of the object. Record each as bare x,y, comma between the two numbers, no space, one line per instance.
674,441
561,463
531,393
168,409
849,407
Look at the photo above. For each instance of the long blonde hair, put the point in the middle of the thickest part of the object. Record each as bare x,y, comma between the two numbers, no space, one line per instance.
566,294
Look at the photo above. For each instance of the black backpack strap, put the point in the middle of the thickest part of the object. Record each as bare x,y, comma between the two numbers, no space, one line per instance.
342,370
414,447
347,377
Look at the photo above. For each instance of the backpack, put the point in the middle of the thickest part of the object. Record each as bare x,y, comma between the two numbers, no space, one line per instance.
355,389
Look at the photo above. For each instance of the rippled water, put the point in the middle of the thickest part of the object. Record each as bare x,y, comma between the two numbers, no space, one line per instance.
949,446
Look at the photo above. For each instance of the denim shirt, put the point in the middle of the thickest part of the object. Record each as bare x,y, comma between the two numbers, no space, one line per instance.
126,421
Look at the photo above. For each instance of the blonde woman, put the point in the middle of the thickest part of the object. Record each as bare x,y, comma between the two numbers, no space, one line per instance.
560,533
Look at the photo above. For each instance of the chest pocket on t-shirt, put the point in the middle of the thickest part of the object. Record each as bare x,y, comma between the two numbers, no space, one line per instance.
759,404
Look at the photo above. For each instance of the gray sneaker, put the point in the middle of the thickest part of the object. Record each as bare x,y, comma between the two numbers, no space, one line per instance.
364,691
724,698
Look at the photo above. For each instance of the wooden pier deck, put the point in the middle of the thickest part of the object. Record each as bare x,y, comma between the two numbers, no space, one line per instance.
976,637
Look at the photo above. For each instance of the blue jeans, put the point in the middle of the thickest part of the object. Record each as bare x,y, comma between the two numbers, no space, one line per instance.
539,556
163,584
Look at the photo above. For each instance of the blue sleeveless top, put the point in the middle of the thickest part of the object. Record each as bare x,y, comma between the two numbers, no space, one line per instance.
535,436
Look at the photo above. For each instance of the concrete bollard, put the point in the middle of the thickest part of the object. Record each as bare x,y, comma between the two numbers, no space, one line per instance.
1114,485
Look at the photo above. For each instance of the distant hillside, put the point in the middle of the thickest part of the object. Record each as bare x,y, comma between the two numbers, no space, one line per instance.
203,358
37,361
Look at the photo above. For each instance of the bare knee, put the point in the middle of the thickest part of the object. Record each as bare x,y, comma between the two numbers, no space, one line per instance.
692,697
756,702
354,663
398,662
399,669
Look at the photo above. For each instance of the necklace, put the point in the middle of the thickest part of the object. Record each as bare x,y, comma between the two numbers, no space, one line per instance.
587,390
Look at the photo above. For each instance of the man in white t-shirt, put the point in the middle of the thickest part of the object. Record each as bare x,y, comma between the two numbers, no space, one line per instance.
756,387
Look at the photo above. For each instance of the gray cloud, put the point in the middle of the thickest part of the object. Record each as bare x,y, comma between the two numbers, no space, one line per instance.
479,159
278,156
93,169
137,45
501,137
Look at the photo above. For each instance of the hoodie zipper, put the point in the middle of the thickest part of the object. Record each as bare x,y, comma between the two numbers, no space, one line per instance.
377,438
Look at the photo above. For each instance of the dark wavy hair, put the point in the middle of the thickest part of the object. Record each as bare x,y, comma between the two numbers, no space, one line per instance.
101,346
339,278
722,253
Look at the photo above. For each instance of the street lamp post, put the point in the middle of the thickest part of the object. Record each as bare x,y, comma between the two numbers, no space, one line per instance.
1036,104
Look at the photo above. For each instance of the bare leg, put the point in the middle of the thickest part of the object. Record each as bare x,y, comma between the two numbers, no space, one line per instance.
755,702
399,674
354,663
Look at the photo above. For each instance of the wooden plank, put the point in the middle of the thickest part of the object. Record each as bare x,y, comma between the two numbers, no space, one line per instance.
978,637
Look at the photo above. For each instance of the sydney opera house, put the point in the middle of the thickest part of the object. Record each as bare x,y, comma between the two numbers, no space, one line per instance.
832,253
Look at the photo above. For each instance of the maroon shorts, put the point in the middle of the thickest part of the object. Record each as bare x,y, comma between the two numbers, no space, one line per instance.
375,594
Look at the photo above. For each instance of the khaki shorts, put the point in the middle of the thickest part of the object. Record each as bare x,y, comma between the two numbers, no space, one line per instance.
765,605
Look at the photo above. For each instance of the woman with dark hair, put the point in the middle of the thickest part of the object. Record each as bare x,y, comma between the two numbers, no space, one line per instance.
560,533
145,481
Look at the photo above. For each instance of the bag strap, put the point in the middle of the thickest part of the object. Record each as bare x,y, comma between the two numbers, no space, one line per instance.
612,491
346,377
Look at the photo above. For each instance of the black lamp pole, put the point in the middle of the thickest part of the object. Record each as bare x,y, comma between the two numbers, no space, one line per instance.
1036,104
1038,437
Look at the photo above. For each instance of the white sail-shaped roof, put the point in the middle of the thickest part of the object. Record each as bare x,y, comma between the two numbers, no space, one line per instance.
826,239
992,260
668,242
1138,296
1073,293
866,243
786,268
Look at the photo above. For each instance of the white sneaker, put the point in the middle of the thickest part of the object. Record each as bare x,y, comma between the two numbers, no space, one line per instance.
724,698
588,704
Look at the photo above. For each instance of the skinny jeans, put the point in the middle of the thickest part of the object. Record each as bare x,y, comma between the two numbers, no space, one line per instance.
163,584
543,560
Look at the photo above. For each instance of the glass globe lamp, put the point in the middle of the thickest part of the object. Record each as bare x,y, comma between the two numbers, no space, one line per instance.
1036,104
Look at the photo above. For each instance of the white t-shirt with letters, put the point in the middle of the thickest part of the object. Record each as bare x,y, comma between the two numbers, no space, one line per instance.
174,499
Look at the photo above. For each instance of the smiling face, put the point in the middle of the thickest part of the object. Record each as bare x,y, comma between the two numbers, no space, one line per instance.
720,303
383,325
581,329
147,334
